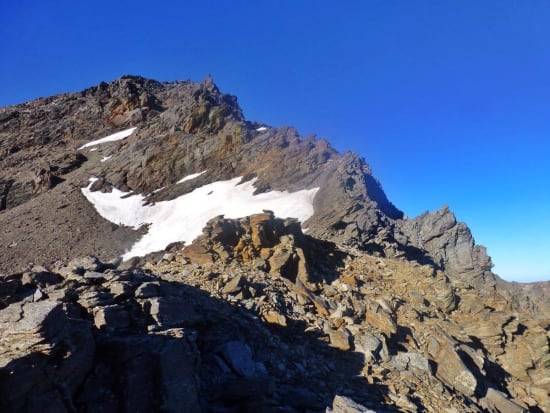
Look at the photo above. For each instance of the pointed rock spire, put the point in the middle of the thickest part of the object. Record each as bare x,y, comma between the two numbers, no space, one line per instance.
209,84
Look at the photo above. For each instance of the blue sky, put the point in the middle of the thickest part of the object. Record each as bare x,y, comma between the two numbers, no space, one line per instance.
448,101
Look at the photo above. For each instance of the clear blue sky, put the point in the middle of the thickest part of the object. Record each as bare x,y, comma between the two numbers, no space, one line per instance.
448,101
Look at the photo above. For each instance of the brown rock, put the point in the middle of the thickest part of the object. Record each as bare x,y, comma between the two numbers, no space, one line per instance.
198,253
340,339
381,319
234,286
274,317
265,232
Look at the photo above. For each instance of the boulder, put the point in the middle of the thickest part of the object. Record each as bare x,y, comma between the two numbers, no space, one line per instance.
111,317
80,265
238,356
450,368
342,404
369,345
172,312
340,339
381,319
497,401
234,286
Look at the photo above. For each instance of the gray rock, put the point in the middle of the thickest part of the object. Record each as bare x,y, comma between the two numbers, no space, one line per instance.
178,370
44,356
46,402
111,317
91,299
410,361
342,404
38,295
497,401
41,278
81,265
24,326
450,367
95,276
298,397
450,244
147,290
369,345
173,312
244,388
121,289
239,357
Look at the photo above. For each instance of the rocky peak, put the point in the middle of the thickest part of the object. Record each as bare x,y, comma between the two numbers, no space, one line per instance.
185,128
209,84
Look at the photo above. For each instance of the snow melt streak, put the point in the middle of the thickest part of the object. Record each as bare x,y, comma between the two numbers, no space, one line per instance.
183,218
190,177
111,138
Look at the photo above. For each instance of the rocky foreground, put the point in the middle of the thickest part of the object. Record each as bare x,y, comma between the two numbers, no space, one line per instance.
255,316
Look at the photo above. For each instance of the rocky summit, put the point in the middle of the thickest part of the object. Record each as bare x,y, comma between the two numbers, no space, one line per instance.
159,252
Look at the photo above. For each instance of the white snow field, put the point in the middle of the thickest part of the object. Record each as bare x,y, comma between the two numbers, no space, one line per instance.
183,218
111,138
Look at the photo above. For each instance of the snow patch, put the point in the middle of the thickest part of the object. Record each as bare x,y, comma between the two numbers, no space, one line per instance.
158,190
261,129
183,218
106,158
93,149
189,177
111,138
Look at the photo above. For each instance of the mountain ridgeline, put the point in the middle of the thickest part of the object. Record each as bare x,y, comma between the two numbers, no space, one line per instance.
355,307
185,127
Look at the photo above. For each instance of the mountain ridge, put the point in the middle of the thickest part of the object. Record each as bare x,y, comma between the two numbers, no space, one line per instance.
397,314
131,100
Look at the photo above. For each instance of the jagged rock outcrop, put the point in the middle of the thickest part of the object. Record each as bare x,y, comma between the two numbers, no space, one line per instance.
268,243
450,245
